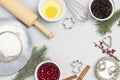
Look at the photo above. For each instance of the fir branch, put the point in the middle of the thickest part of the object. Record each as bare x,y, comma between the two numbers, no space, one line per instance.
37,57
119,23
105,26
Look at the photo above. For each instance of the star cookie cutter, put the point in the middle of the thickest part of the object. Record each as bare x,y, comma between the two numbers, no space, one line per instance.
68,23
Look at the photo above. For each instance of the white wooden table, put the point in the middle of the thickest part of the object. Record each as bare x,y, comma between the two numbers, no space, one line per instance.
69,45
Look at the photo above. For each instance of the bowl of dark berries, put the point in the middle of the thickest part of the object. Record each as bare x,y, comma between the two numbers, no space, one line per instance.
47,70
101,9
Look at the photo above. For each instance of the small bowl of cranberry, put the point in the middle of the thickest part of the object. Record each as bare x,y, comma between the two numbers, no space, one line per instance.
101,9
47,70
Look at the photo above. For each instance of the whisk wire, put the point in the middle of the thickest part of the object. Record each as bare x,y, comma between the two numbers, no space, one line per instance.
71,11
78,11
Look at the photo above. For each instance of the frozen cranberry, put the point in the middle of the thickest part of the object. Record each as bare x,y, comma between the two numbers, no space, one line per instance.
48,71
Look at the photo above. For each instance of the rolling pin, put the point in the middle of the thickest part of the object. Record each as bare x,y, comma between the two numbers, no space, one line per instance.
25,15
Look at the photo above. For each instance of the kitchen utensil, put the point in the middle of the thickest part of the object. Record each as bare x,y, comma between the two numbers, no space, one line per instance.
78,11
107,41
25,15
76,66
68,23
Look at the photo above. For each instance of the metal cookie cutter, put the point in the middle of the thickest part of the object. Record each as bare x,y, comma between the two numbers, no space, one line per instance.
107,41
76,66
68,23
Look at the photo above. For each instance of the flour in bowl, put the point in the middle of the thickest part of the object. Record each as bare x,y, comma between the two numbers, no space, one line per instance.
13,40
10,46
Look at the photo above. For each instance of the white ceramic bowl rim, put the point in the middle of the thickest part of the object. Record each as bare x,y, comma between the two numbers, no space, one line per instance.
104,18
36,78
51,20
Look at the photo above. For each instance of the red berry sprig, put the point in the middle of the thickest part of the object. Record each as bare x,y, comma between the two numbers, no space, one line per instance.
106,50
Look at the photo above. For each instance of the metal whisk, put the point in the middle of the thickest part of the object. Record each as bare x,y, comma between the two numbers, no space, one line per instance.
78,11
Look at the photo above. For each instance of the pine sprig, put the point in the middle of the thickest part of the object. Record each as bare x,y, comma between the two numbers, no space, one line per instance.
105,26
37,57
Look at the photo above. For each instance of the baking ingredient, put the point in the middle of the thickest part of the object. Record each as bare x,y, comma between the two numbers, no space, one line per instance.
83,72
17,31
110,71
51,9
10,46
38,56
101,8
13,40
71,77
48,71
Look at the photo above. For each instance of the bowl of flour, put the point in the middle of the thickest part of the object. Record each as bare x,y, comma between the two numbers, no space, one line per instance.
15,46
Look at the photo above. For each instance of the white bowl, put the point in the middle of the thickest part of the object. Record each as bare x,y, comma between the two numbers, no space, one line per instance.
61,2
113,7
36,78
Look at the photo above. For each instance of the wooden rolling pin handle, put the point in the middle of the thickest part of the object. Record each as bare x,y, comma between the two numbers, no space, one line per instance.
43,29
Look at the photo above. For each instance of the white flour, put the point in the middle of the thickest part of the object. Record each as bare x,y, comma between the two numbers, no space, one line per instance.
11,43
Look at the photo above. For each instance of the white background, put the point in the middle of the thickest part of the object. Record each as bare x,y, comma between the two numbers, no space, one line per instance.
69,45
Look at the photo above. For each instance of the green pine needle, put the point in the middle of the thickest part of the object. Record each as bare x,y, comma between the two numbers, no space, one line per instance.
119,23
105,26
37,57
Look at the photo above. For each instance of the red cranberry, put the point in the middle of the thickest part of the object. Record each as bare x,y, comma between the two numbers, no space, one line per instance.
48,71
